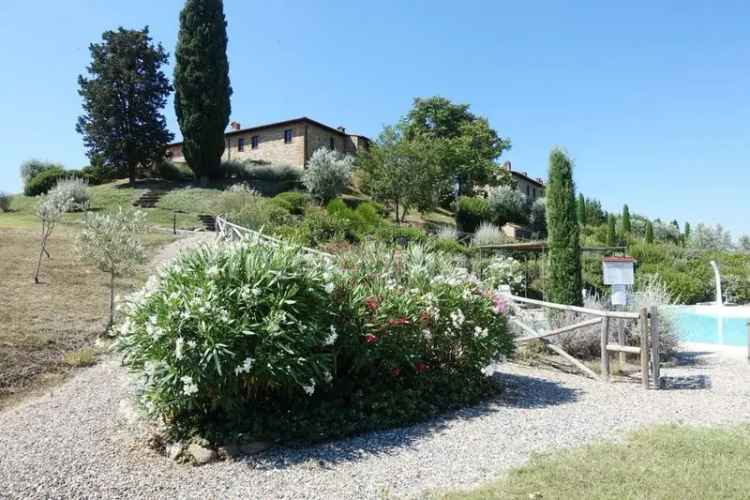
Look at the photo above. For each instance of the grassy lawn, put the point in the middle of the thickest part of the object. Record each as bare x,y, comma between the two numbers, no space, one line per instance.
667,462
49,328
189,201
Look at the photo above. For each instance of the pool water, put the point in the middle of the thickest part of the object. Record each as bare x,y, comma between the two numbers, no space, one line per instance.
711,326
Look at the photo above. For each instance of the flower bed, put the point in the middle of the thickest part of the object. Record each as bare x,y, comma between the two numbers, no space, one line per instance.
245,338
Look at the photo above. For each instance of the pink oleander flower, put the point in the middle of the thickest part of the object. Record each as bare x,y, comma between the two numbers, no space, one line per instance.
500,304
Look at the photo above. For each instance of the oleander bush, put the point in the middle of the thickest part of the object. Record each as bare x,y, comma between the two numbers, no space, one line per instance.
503,270
276,344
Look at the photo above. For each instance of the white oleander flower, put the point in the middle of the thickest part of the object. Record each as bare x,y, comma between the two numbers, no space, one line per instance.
480,332
178,347
332,337
245,366
329,287
188,386
309,389
457,318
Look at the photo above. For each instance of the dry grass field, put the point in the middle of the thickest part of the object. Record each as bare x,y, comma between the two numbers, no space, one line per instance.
49,328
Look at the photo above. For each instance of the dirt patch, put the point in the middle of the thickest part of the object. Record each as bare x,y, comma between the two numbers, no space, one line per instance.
40,323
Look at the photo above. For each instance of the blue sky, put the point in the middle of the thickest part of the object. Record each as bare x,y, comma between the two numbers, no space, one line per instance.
649,98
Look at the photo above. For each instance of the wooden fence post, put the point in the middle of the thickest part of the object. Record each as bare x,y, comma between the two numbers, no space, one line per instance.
655,347
643,323
621,341
605,353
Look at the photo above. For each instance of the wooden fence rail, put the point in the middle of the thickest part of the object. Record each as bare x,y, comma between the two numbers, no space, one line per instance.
229,231
647,323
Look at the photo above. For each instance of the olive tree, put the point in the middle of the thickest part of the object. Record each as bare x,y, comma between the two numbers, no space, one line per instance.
49,212
112,242
328,174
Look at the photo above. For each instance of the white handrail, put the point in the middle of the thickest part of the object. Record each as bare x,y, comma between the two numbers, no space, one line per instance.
223,228
582,310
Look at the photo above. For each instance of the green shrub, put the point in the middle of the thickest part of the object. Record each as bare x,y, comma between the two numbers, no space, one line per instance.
4,202
281,203
97,174
322,227
272,173
471,212
359,223
401,235
451,247
32,168
272,343
170,171
296,200
247,208
369,214
42,182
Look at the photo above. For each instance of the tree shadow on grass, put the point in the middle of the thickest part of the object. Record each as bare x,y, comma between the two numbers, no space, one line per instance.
518,392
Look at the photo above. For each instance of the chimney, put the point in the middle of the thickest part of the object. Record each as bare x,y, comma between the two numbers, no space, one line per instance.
507,166
234,125
341,129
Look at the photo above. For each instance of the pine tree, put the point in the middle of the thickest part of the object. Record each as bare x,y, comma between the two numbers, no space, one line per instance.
202,88
566,282
123,95
581,210
626,228
611,231
649,232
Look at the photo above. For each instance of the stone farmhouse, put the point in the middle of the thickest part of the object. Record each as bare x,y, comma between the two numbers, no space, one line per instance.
533,188
290,142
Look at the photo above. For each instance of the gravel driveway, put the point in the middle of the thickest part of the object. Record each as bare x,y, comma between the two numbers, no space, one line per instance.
71,443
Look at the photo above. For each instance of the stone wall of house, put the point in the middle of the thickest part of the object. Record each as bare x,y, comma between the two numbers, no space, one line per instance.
306,139
318,137
271,146
531,190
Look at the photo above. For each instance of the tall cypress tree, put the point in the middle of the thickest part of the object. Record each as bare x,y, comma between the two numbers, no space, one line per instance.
202,88
649,232
566,281
611,231
686,236
581,210
626,228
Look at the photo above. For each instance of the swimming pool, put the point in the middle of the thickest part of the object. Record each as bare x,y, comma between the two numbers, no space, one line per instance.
713,325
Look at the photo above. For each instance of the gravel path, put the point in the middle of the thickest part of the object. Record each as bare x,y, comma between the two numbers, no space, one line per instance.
72,442
69,443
